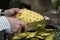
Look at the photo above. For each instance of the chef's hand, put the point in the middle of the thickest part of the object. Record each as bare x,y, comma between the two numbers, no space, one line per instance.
11,12
16,24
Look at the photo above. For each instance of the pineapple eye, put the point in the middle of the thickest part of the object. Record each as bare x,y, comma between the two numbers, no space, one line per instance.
37,15
26,18
30,12
19,15
30,20
34,20
20,19
23,17
27,14
37,18
33,17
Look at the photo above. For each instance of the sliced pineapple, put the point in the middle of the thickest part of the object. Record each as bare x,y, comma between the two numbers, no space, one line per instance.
50,37
31,17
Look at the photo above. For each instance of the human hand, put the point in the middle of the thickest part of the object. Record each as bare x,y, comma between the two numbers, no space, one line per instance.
16,24
11,12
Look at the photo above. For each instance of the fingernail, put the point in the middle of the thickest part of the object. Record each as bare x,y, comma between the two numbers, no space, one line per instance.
19,12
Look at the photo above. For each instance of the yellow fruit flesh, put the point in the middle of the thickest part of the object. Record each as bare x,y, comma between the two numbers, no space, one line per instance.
29,16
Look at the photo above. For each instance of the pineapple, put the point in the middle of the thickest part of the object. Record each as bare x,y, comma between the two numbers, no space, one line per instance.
36,23
32,18
29,16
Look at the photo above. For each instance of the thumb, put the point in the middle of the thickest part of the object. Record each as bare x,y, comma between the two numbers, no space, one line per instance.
18,10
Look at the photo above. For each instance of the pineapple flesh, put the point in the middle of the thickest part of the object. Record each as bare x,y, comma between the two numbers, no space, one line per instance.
31,18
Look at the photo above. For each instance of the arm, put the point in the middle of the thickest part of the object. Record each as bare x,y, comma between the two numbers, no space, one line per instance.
4,24
15,24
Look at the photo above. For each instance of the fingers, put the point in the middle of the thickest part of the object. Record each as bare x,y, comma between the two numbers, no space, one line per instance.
17,10
12,12
24,25
16,24
15,28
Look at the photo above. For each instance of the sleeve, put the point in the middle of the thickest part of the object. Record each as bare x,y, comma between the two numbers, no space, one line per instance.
4,24
0,11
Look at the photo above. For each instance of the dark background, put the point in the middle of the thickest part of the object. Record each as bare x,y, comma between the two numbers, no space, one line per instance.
4,4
